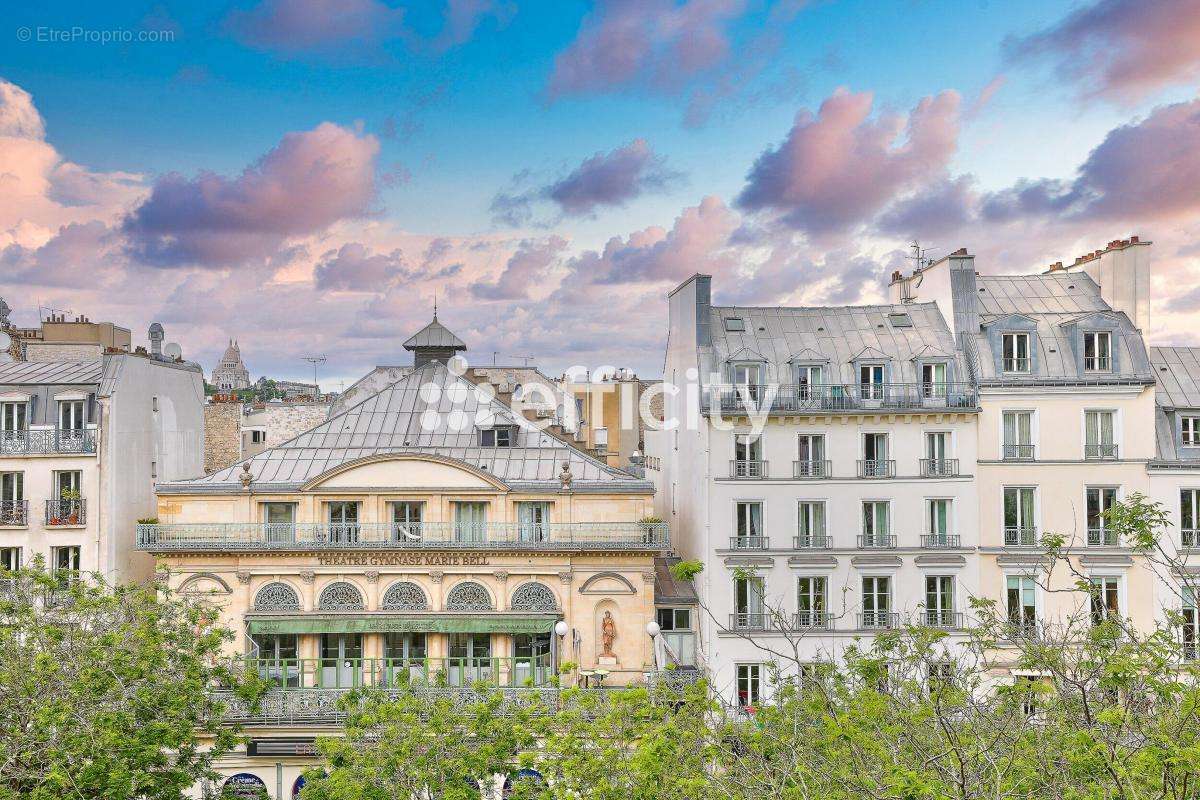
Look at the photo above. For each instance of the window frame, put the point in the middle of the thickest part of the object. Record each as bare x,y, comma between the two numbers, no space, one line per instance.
749,675
1189,438
1014,360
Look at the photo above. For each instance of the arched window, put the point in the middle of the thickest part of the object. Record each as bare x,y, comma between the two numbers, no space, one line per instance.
277,597
341,596
405,596
468,596
534,597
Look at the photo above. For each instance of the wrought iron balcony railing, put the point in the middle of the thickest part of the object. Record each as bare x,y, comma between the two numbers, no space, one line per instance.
1020,537
940,618
749,542
384,673
1022,627
66,512
404,536
1016,365
1097,364
1189,538
812,469
1101,537
14,512
876,541
832,398
941,541
747,469
876,468
810,620
812,541
47,442
1019,452
939,467
868,620
1100,452
749,621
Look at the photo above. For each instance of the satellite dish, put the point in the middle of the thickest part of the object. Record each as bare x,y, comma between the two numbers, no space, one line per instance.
173,351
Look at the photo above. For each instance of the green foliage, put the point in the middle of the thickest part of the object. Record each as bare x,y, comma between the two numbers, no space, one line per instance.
104,691
686,570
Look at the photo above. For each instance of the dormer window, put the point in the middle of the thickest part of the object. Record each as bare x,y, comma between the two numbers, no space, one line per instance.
871,378
735,325
1190,431
933,379
1097,351
808,378
496,437
1016,352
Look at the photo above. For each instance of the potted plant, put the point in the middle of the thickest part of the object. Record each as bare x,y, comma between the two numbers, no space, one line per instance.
70,504
648,524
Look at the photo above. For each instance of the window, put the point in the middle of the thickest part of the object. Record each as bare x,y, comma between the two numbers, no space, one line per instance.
1020,601
876,528
870,377
1016,352
533,522
70,415
67,482
1189,517
875,455
14,417
876,602
496,437
811,601
937,463
938,520
406,521
677,633
748,378
749,685
1099,500
65,559
1191,623
258,437
933,380
748,517
749,609
1190,431
1020,526
274,646
1018,435
810,454
1097,351
674,619
735,324
13,510
470,522
404,646
1099,438
747,456
810,524
1106,598
343,522
807,378
10,559
939,601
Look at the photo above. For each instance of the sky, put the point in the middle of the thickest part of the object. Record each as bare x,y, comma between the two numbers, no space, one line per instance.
307,176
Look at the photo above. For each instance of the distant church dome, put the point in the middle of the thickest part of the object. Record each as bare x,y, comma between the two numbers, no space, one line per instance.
230,373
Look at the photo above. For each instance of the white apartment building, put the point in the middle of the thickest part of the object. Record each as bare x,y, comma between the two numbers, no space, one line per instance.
820,462
81,446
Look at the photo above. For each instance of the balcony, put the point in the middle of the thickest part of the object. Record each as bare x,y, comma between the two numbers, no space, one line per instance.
939,467
754,542
876,468
14,512
1097,364
878,620
1020,537
812,469
217,536
876,541
1100,452
941,541
1019,627
1189,538
1016,365
834,398
810,620
386,673
1019,452
1102,537
41,443
749,621
747,469
814,541
940,618
66,513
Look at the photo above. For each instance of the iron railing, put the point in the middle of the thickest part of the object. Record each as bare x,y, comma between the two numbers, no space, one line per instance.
749,621
876,541
1019,452
750,542
831,398
747,469
941,541
810,620
812,469
14,512
940,618
404,536
1020,537
868,620
1097,363
48,442
812,541
1100,452
66,512
1016,365
1021,627
1100,537
385,673
939,467
876,468
1189,537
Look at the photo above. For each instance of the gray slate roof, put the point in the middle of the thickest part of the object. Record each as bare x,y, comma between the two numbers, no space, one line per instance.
1051,293
1177,370
51,372
434,335
836,334
394,421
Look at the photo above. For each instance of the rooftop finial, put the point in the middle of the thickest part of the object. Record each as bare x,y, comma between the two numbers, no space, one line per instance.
435,305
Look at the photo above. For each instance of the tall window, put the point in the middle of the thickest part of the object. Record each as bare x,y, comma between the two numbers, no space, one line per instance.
749,608
748,377
12,499
939,600
407,519
470,522
1099,435
811,600
937,446
875,455
1016,352
1020,600
870,378
1097,351
876,530
404,647
747,456
70,415
279,521
343,521
876,601
65,559
933,380
1190,431
810,524
1106,598
749,522
1189,517
749,685
533,520
10,559
938,519
1099,500
14,417
1018,435
809,379
676,626
1191,623
810,455
1020,526
275,646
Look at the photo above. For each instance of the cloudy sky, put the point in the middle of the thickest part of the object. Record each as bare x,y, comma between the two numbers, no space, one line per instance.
305,175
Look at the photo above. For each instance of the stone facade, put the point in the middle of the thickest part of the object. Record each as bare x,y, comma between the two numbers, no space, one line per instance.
222,435
268,424
231,374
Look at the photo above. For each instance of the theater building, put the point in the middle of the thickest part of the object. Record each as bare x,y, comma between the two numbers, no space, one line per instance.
427,535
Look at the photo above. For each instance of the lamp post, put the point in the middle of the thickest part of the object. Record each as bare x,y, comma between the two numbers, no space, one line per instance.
560,630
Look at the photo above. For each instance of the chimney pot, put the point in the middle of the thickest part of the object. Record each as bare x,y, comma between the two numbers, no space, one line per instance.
1133,240
962,251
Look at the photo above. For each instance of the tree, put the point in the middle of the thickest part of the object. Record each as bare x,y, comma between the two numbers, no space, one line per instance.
104,690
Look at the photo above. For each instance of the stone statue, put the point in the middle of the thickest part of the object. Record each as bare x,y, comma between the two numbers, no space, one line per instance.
246,477
608,633
565,477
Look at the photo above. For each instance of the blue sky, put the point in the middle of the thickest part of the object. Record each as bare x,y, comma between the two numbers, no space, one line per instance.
457,121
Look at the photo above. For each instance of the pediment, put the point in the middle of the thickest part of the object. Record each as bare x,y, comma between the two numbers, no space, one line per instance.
929,351
1019,321
607,583
205,584
746,354
871,354
406,471
1097,319
808,355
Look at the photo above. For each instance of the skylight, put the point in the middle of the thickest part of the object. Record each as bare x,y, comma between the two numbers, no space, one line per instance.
900,320
735,324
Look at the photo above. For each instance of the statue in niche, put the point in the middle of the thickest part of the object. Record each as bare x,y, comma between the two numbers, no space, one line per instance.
608,633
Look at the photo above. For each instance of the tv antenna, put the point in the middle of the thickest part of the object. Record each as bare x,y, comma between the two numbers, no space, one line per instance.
919,255
316,361
526,359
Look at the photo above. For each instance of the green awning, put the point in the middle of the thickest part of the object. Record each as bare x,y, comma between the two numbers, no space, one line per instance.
402,623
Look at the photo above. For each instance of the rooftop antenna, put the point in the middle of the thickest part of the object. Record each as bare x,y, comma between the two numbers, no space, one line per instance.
920,255
526,359
316,361
435,305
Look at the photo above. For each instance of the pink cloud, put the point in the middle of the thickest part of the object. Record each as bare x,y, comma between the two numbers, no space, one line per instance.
526,270
309,181
355,267
836,170
1121,49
